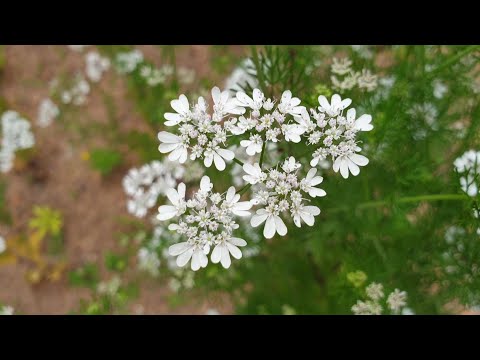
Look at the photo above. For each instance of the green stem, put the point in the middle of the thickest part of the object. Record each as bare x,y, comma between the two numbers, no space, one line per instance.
239,162
244,189
454,59
404,200
262,153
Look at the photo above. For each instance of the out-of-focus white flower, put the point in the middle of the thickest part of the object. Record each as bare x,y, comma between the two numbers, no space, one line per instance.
6,310
127,62
396,300
16,135
77,48
439,89
3,245
47,112
341,66
368,81
96,65
375,291
148,261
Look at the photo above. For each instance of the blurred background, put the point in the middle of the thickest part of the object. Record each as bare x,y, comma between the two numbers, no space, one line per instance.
403,237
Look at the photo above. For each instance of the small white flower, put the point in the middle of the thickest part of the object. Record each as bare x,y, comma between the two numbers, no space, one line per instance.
178,207
232,202
362,123
186,251
174,145
273,223
224,105
182,108
47,112
349,163
225,248
375,291
305,213
290,165
217,155
341,66
254,173
289,104
253,145
396,300
246,101
335,107
308,184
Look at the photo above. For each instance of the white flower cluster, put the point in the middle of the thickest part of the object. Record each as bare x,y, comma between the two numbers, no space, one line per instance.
396,302
16,135
146,184
148,261
3,245
6,310
278,190
77,94
47,112
155,76
96,65
345,78
206,220
468,165
77,48
127,62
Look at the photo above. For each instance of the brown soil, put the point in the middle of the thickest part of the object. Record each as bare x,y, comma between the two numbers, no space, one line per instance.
90,205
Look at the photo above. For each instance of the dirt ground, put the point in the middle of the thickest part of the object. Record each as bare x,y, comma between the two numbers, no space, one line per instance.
90,205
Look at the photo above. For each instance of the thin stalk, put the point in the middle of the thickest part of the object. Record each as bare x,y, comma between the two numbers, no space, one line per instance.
405,200
453,59
239,162
258,67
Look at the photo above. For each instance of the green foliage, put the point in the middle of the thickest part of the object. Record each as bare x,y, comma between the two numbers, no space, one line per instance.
4,214
115,262
105,160
85,276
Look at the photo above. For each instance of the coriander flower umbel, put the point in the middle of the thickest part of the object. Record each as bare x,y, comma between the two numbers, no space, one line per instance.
280,186
47,112
206,220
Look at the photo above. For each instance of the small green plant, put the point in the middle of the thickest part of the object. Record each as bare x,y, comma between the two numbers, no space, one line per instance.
105,160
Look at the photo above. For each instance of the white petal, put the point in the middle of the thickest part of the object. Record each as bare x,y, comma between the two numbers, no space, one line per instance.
234,251
208,161
172,117
238,242
230,194
205,184
286,96
280,226
307,218
256,220
359,159
216,95
179,248
351,113
363,122
184,257
169,138
219,162
314,210
166,212
344,168
166,148
226,154
354,169
346,103
269,229
216,254
314,192
181,190
322,100
172,195
225,258
311,173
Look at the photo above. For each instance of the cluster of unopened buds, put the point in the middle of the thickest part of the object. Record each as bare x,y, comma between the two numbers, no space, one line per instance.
280,191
